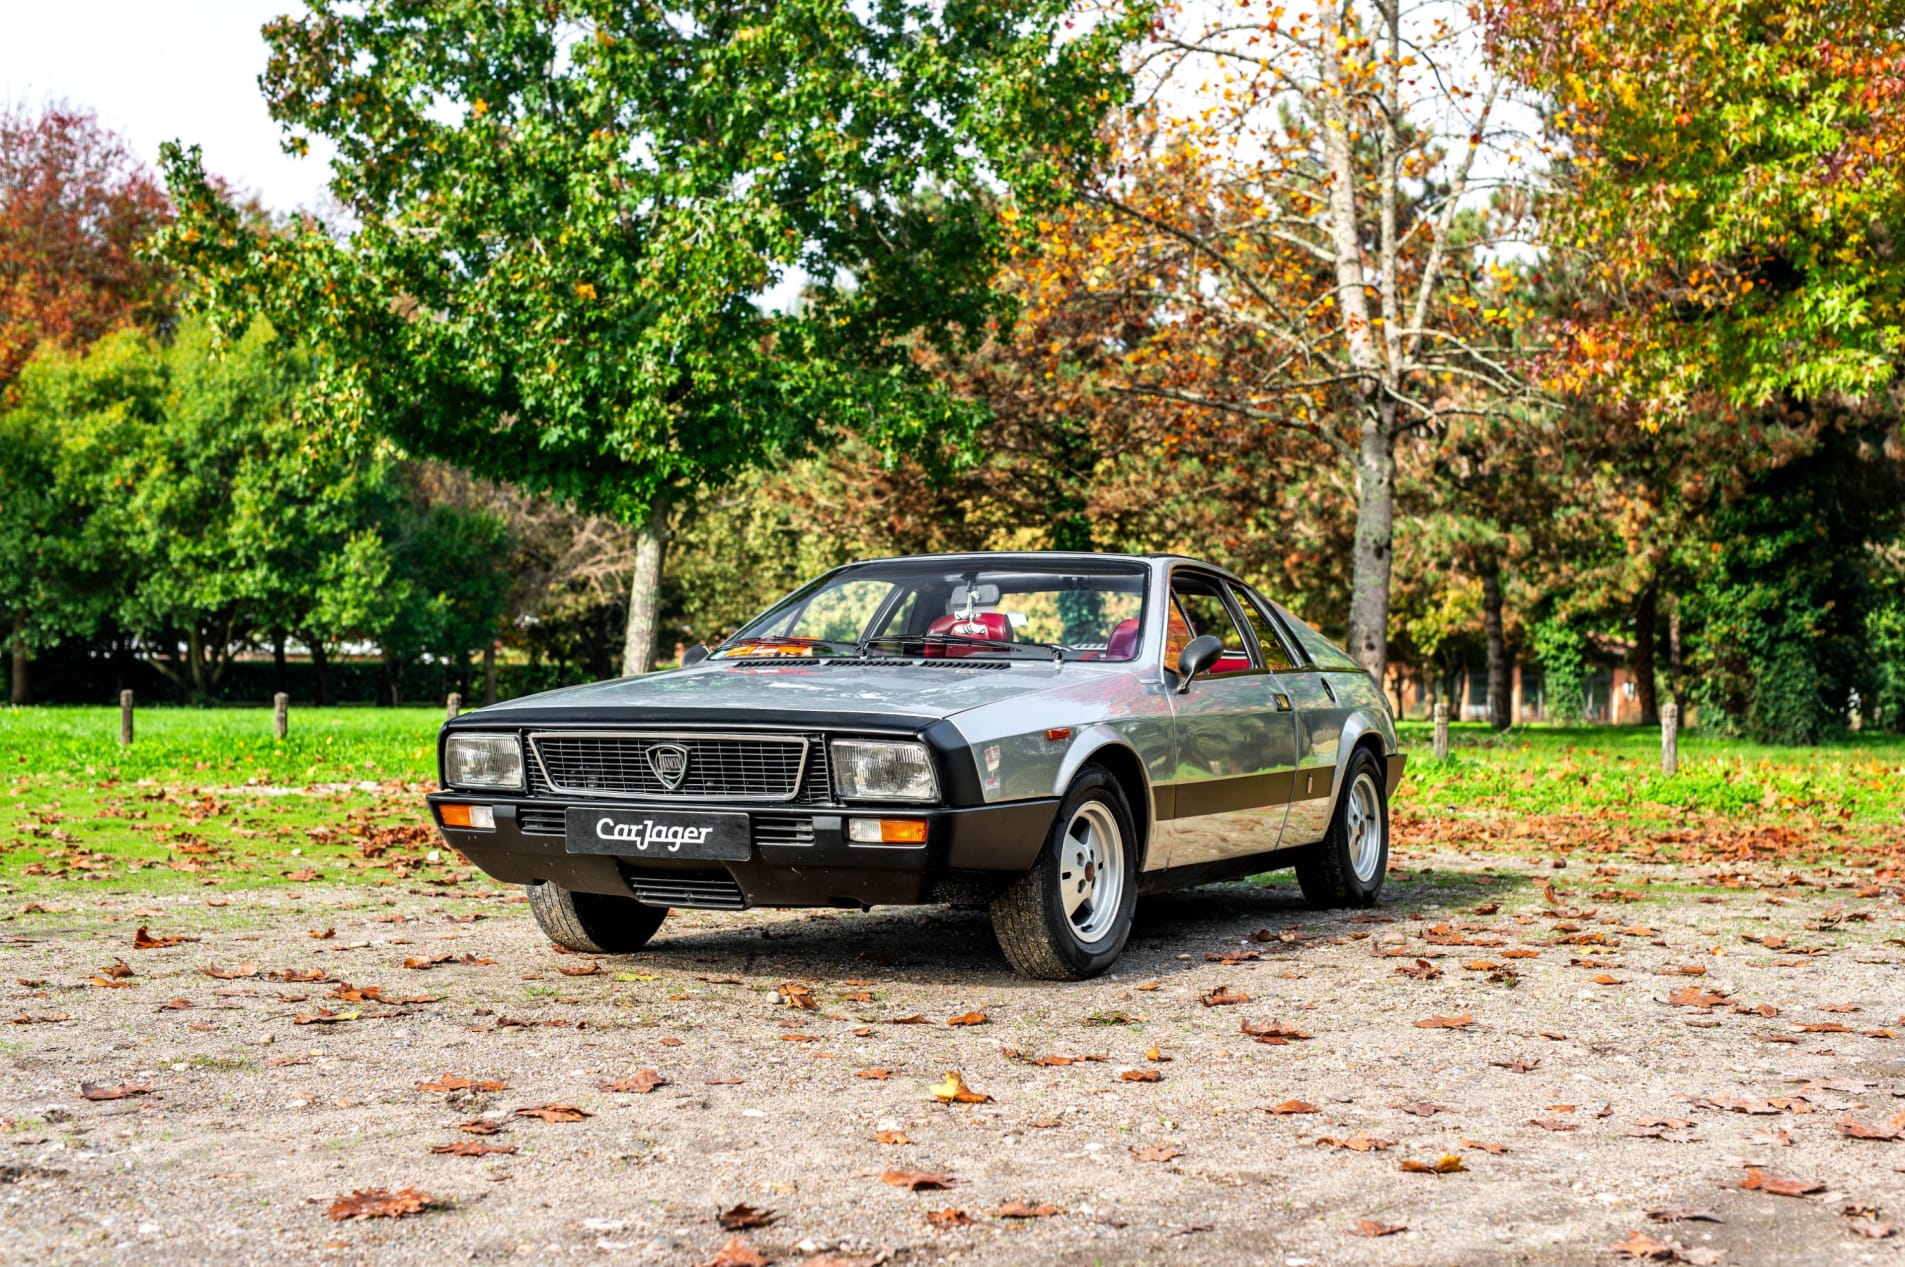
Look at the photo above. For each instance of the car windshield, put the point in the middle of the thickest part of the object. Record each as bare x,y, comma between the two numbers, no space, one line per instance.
1010,609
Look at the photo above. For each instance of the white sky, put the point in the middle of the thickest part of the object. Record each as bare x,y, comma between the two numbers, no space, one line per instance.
160,70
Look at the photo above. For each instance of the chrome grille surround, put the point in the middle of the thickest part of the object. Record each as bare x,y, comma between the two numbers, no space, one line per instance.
722,767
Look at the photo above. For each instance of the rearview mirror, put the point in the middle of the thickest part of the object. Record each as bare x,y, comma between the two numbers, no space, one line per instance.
1197,658
694,655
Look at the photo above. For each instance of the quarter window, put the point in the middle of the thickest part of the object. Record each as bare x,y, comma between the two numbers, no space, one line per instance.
1198,608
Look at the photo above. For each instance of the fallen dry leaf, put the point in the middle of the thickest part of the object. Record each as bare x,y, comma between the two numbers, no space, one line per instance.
916,1180
1157,1152
451,1082
144,940
742,1217
955,1091
1290,1107
1699,997
873,1075
554,1112
948,1218
1446,1022
1859,1130
738,1253
379,1203
1357,1143
1494,1150
1141,1075
1020,1210
1447,1164
472,1148
967,1018
94,1091
1758,1180
641,1084
1273,1032
890,1137
1371,1227
239,973
1223,996
588,969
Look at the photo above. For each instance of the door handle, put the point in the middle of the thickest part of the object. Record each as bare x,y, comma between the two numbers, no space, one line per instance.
1327,688
1283,702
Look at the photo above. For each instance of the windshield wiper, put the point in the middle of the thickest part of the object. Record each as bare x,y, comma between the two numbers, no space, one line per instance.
946,639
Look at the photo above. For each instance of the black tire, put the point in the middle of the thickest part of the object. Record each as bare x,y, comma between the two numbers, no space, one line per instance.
1327,871
594,923
1038,936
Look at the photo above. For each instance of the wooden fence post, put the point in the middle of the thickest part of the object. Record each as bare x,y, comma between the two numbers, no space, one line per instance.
125,719
280,714
1441,730
454,706
1670,738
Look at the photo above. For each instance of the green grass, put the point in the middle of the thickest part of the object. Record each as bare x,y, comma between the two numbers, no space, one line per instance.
1553,770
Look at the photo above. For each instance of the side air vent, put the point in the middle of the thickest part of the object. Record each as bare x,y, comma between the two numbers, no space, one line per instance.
783,829
542,822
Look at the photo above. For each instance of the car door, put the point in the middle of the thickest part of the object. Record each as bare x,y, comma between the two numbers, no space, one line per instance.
1235,734
1320,719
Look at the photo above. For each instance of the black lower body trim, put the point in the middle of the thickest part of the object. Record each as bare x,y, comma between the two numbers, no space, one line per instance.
1164,881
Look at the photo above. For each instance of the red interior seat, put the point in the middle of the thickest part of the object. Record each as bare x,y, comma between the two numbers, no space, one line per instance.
1123,644
991,626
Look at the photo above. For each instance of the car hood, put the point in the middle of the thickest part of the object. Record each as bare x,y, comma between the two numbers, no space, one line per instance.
790,692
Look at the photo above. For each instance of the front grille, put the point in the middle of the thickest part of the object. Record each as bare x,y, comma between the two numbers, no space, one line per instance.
542,822
706,890
715,767
783,829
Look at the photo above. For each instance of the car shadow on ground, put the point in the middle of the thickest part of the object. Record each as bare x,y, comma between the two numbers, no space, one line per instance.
1171,933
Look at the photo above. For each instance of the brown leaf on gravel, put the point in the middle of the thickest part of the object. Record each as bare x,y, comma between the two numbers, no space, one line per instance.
1871,1229
554,1112
890,1137
117,970
1020,1210
1357,1143
144,940
1274,1033
1421,970
1053,1062
427,962
1156,1055
967,1018
955,1091
480,1126
1372,1227
1289,1107
1223,996
1480,1146
1553,1124
323,934
795,995
94,1091
1421,1108
738,1253
873,1075
239,973
641,1084
1516,1066
1859,1130
379,1203
1447,1164
1462,1021
914,1019
1157,1152
24,1019
1640,1246
176,1005
1758,1180
588,969
1141,1075
1552,1036
472,1148
1683,1213
109,984
1698,997
451,1082
297,976
948,1218
744,1216
916,1180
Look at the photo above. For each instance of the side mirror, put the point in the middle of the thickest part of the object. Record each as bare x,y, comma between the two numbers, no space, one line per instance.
1197,658
694,655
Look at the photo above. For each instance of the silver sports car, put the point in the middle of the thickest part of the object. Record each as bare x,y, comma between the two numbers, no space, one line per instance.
1046,734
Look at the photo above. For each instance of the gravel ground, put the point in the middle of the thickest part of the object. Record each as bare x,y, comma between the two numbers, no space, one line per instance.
255,1123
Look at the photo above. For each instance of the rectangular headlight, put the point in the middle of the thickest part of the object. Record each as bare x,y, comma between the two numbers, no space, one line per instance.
483,761
883,770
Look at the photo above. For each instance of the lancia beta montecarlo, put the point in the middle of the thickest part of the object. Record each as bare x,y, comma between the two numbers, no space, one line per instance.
1046,734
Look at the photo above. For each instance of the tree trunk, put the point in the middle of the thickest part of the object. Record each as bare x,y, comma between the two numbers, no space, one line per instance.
644,594
1375,537
321,667
1674,674
392,690
1646,626
489,675
277,663
1501,714
22,692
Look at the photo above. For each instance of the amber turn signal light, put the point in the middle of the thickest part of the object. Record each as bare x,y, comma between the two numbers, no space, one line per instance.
480,817
886,831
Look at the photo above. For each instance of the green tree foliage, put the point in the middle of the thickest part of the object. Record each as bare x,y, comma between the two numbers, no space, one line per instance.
563,217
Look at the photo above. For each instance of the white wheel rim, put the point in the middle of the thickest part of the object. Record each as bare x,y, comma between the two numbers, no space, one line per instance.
1363,827
1091,872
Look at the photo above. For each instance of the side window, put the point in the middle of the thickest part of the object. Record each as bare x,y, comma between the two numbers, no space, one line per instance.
1276,656
1198,608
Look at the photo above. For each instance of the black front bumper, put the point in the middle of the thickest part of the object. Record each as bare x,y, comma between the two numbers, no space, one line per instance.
799,855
